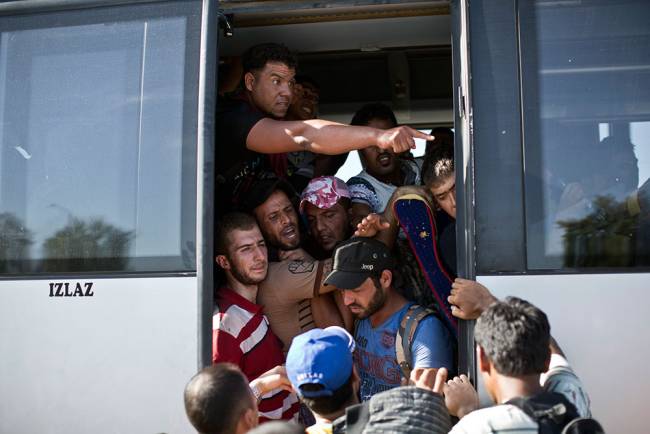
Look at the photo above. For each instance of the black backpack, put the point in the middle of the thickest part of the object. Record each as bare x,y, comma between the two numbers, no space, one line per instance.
554,414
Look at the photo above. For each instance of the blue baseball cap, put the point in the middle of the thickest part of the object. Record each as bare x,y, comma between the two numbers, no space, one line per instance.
320,356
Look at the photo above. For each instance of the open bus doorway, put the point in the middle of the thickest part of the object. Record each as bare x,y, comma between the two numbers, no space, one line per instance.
403,60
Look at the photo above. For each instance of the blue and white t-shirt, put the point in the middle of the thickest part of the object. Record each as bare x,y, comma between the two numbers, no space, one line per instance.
375,356
368,190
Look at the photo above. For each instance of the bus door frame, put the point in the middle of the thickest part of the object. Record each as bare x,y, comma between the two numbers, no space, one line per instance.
464,164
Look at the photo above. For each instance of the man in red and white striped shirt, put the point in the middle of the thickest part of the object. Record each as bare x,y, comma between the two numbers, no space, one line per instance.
240,331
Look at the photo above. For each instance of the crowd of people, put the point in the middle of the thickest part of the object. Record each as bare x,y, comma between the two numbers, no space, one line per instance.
324,321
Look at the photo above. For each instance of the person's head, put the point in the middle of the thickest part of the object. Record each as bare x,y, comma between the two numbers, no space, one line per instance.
240,248
306,96
270,201
376,161
442,136
320,368
363,271
512,338
269,71
439,177
325,203
206,407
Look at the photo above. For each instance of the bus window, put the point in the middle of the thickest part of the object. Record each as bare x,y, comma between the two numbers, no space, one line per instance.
97,149
586,133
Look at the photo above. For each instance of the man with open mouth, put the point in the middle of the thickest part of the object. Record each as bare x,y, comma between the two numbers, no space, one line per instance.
294,295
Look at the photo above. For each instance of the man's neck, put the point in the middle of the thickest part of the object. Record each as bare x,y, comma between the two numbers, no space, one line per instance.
249,292
515,387
332,417
392,178
394,302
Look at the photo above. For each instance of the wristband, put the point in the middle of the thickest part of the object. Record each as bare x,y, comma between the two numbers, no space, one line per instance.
257,393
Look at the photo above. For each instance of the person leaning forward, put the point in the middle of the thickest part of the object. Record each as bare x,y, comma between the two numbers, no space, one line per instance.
250,124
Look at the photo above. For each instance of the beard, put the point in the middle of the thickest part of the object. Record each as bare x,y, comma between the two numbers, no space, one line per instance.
243,276
376,303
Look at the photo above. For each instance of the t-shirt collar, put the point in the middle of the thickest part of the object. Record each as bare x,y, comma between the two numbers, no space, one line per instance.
229,295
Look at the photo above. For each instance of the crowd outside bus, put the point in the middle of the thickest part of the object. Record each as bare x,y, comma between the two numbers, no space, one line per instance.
315,275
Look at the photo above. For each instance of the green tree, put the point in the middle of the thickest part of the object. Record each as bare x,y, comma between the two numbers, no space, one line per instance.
91,245
15,241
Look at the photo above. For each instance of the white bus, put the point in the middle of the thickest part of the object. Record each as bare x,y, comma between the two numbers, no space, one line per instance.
107,169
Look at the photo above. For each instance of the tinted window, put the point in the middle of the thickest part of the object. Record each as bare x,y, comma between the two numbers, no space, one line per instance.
586,102
97,140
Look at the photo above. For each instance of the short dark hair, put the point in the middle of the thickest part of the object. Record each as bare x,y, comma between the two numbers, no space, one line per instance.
205,405
375,110
226,225
438,165
327,405
515,336
257,56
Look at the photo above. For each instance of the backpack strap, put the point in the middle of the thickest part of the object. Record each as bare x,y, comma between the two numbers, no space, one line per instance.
551,411
405,334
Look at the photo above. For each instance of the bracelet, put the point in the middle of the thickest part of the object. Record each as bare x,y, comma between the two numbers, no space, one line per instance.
257,393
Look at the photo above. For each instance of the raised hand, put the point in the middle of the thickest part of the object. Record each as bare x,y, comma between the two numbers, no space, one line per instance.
469,298
430,379
460,396
370,225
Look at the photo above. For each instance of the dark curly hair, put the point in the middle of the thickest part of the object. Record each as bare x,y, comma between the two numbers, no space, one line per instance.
515,336
257,56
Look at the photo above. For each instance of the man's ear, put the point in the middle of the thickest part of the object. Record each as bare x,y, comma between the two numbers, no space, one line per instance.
483,361
223,262
386,278
249,79
248,421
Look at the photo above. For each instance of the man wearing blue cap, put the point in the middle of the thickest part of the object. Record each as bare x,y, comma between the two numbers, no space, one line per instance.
321,369
364,271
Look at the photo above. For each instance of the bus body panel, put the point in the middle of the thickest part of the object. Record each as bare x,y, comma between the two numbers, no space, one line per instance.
598,321
114,361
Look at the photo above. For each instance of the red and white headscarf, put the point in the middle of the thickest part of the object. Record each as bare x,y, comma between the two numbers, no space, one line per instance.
323,192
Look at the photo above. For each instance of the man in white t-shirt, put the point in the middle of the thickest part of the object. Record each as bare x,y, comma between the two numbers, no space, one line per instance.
383,171
517,358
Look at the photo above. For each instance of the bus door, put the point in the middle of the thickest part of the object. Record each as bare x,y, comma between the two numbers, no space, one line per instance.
105,239
555,172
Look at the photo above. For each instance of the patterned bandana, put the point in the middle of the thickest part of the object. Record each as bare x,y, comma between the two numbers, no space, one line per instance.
323,192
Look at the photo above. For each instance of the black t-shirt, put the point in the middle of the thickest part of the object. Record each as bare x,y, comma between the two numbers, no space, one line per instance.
234,120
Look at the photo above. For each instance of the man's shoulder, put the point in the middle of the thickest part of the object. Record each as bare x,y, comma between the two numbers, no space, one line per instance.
233,105
496,419
231,318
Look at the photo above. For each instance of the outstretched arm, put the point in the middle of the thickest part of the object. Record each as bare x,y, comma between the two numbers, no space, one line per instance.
270,136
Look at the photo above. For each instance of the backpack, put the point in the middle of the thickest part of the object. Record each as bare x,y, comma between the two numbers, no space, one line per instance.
405,333
404,338
554,414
